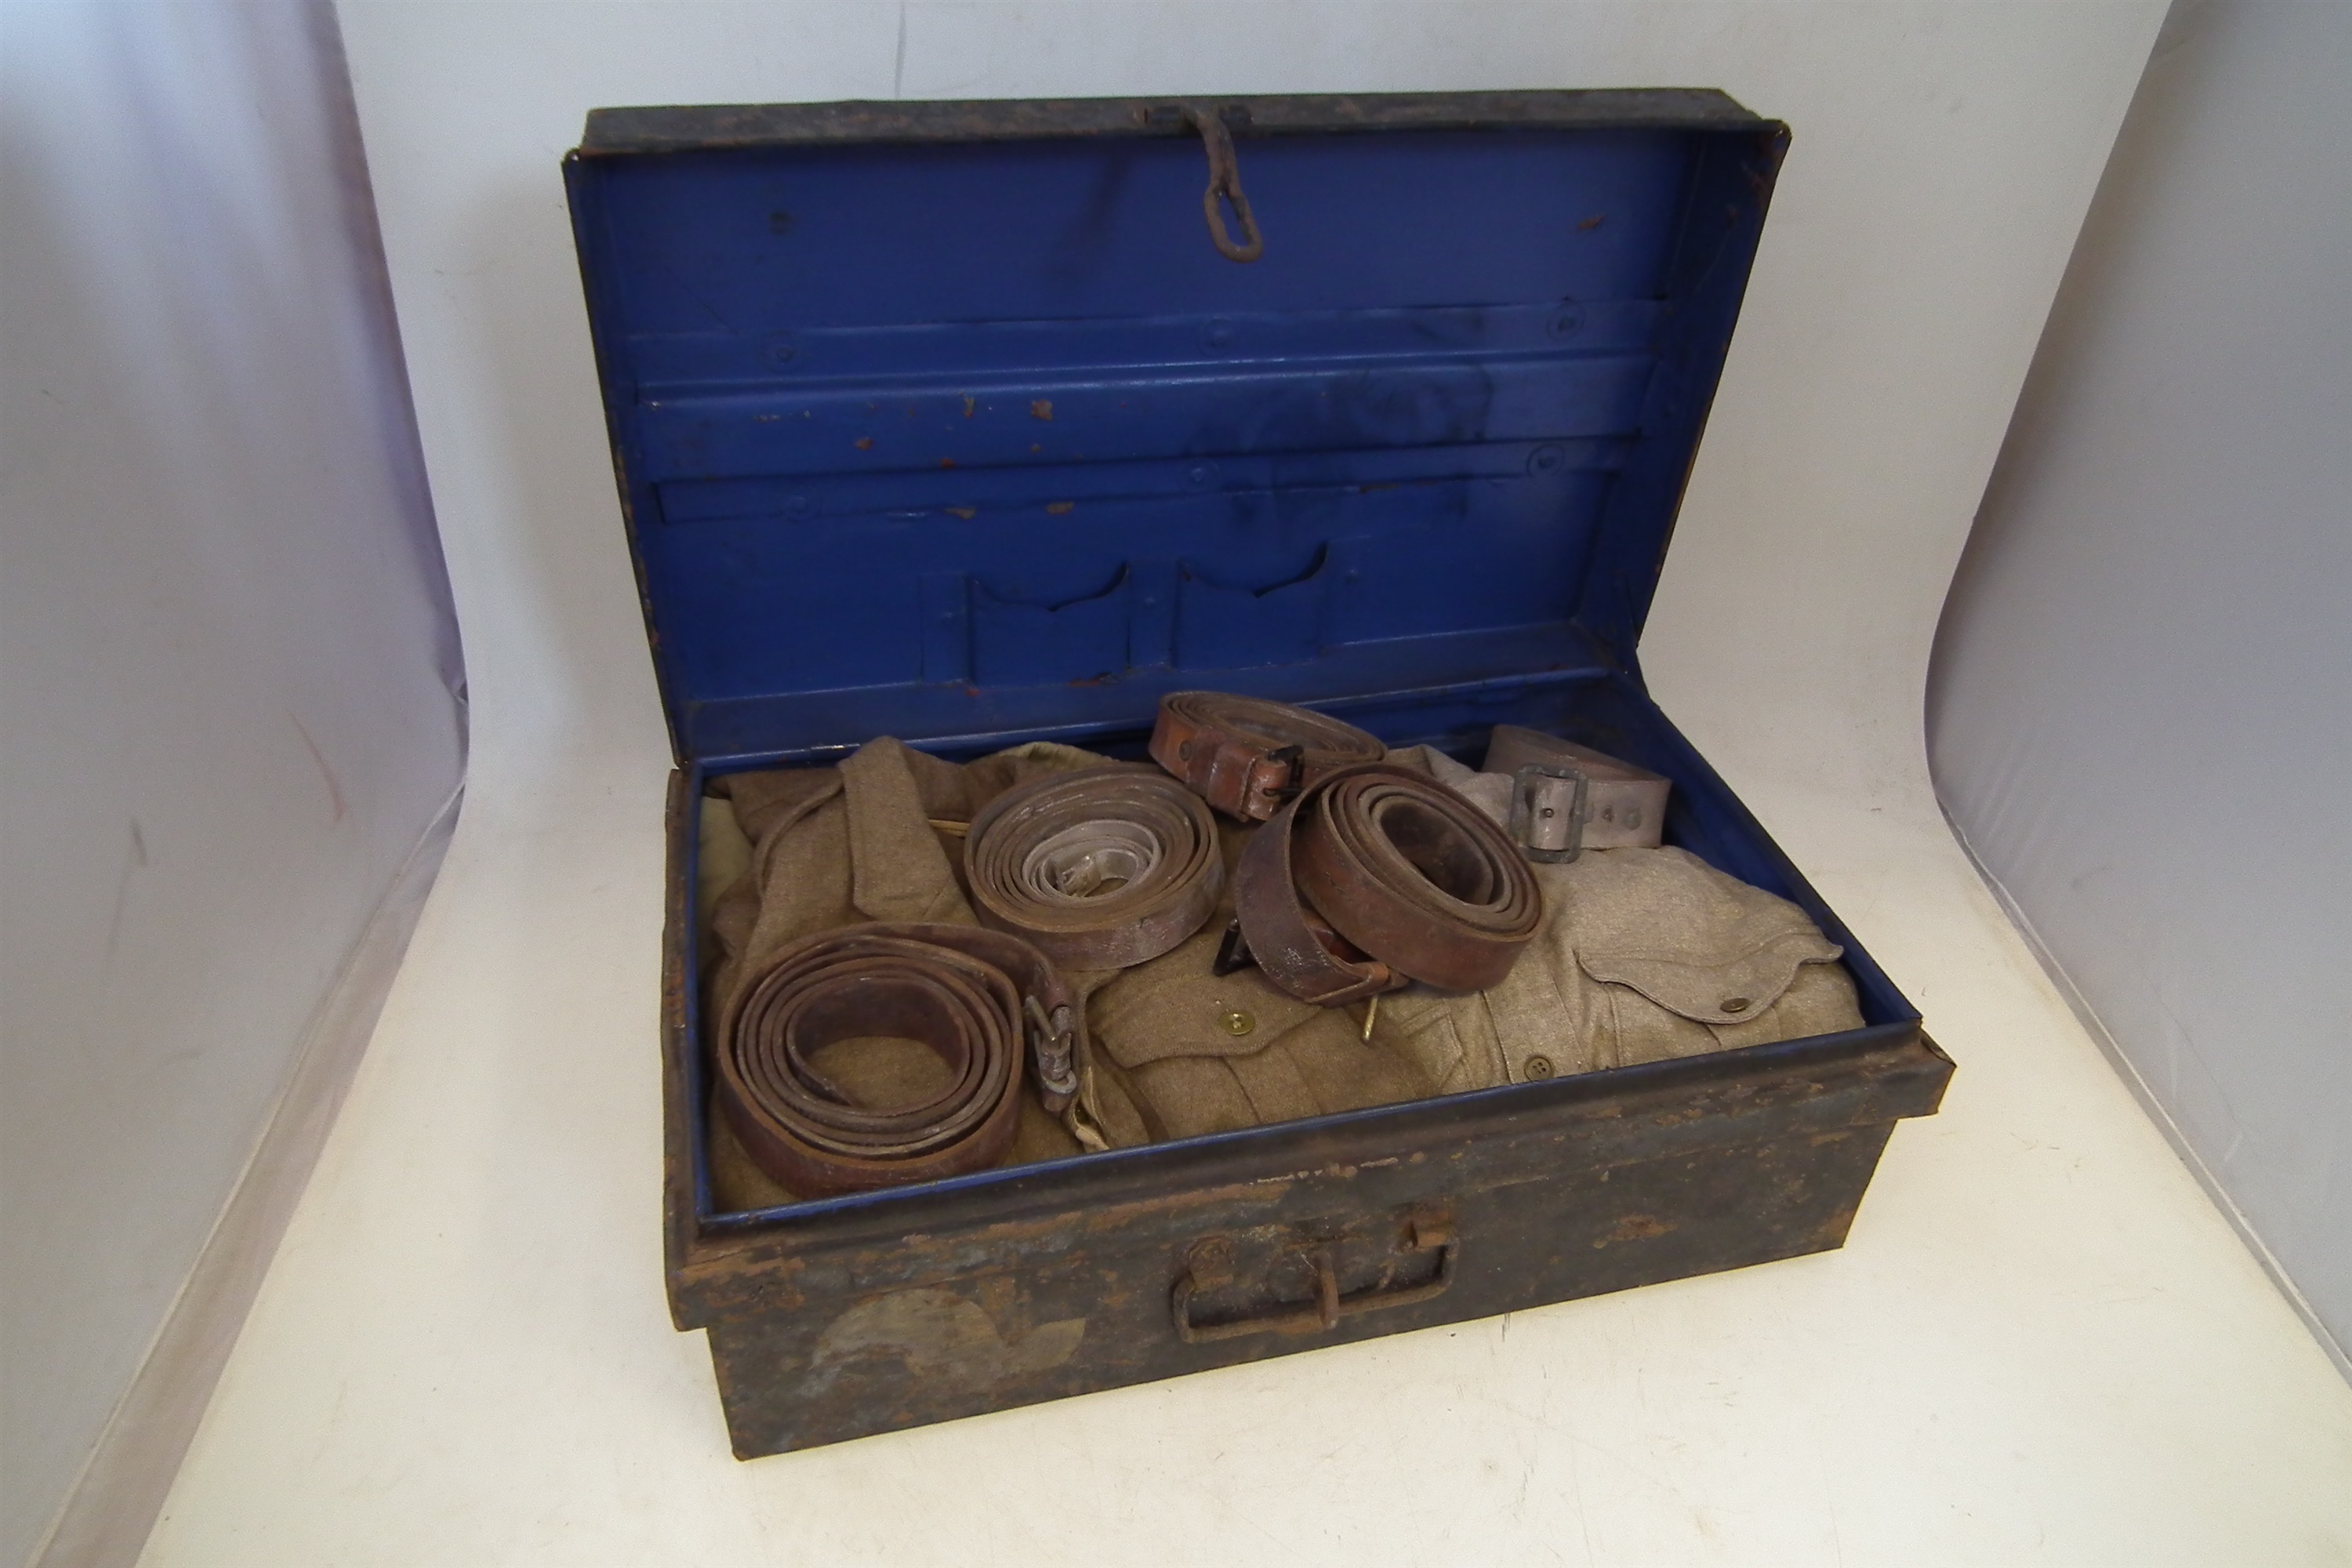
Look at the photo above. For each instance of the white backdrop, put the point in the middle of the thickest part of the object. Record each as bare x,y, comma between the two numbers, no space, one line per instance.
2143,717
228,714
2041,1338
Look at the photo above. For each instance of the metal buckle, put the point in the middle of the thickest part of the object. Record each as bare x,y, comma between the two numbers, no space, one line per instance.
1547,810
1294,759
1234,952
1053,1042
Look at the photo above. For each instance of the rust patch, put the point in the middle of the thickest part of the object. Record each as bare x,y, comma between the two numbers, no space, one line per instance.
965,513
865,443
1043,408
1634,1227
1589,224
1058,506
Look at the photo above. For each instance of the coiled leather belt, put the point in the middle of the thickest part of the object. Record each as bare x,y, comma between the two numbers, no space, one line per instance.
1245,756
1379,875
1099,868
972,997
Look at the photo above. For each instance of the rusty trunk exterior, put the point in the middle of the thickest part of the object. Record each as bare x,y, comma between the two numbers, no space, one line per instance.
897,1310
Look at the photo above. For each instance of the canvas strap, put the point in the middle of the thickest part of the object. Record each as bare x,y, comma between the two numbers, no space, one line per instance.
1102,868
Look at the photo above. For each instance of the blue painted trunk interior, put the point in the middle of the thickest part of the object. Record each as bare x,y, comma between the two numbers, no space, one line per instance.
974,441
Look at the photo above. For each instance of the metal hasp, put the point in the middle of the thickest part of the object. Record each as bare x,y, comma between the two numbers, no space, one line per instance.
1225,182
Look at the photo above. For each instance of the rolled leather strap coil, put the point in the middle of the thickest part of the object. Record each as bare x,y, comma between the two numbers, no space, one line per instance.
1100,868
1246,756
975,997
1413,882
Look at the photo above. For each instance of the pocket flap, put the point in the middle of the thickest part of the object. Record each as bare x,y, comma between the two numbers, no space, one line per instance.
1695,942
1727,993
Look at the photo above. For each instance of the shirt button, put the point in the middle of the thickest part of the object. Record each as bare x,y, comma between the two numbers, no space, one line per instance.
1237,1023
1735,1004
1539,1067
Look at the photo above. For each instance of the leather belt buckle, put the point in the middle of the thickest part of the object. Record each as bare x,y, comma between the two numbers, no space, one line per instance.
1277,778
1248,757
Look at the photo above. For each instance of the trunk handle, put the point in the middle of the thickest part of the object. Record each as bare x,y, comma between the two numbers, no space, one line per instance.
1324,1312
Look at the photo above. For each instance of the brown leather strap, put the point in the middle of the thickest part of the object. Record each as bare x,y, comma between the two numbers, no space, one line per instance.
1099,868
1246,756
973,996
1409,879
1295,947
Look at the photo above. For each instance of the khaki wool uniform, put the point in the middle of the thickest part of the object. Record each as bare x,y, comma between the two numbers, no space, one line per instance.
1645,954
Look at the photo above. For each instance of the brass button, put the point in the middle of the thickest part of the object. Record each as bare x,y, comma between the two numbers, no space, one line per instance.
1735,1004
1237,1023
1539,1067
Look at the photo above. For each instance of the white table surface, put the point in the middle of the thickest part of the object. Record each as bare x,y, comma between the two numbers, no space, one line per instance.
2042,1343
